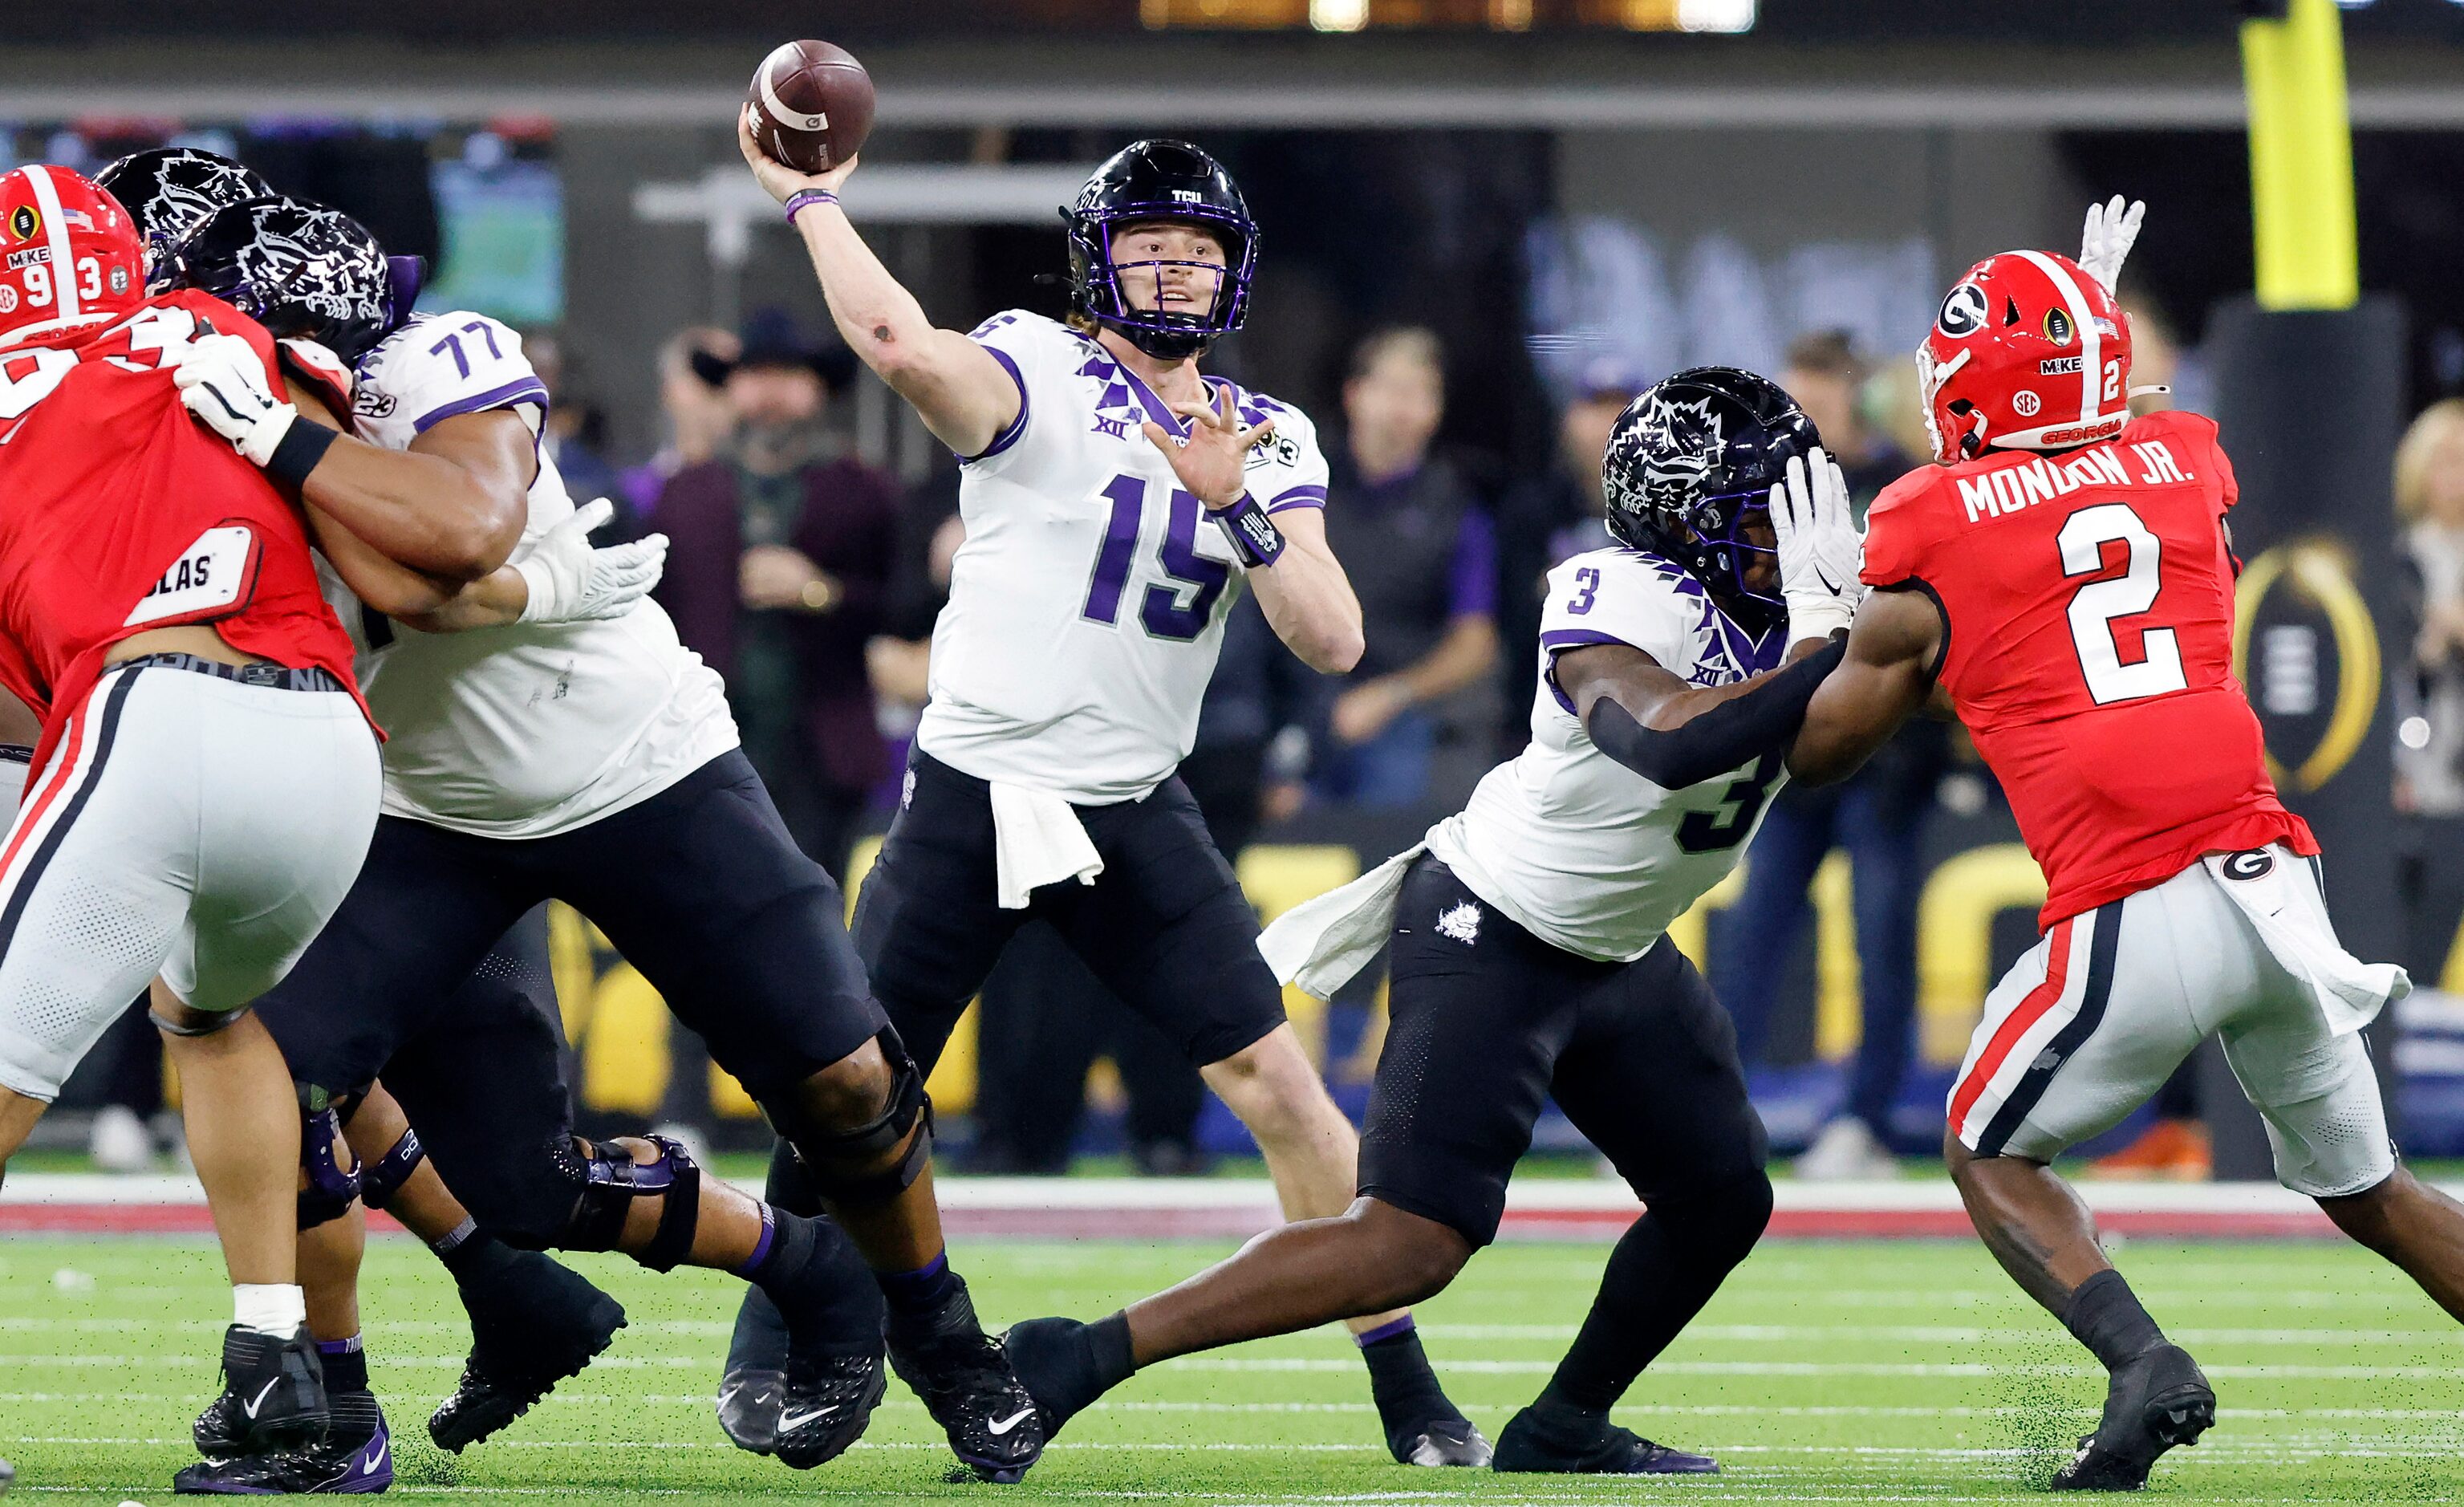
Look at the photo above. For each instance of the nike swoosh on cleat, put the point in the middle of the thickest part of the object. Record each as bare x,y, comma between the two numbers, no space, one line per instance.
789,1423
1012,1421
251,1407
369,1465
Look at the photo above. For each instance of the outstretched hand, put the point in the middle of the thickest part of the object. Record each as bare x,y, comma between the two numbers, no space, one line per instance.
2105,243
1213,461
1822,549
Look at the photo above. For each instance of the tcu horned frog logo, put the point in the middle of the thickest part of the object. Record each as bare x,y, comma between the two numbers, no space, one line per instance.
178,205
310,276
1682,442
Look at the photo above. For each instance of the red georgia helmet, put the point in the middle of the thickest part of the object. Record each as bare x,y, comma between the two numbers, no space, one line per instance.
69,253
2029,352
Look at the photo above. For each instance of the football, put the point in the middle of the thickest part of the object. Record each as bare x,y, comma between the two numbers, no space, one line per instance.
812,105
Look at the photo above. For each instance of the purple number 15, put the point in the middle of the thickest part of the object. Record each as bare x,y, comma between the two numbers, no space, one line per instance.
1161,609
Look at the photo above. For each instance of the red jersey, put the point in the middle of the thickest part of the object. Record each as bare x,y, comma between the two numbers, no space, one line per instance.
119,512
2089,597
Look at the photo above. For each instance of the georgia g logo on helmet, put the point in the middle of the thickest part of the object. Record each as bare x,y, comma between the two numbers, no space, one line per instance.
1964,311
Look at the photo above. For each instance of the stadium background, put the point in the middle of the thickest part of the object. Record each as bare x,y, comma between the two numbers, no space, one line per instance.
1540,182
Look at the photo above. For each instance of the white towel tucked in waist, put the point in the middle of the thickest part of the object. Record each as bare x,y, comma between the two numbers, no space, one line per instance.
1036,840
2285,908
1320,944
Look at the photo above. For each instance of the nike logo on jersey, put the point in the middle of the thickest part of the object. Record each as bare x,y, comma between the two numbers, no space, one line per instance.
789,1423
250,1407
1012,1421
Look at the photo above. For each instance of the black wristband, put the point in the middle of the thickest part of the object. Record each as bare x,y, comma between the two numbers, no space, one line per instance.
1254,536
301,448
1734,733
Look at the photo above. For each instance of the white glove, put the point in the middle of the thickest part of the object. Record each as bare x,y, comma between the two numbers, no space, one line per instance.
1822,549
2105,244
224,384
570,582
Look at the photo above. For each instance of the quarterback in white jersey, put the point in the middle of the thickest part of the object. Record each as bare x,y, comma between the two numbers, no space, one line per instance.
1530,949
1115,499
579,754
1086,605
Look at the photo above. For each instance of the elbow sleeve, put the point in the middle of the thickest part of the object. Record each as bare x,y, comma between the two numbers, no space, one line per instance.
1764,720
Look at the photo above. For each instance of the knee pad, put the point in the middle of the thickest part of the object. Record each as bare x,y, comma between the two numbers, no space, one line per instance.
611,1179
330,1188
379,1180
828,1153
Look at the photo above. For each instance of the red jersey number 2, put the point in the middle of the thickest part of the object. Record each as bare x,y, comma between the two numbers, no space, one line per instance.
28,377
2095,604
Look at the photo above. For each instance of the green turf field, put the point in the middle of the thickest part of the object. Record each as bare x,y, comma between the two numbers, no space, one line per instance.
1865,1373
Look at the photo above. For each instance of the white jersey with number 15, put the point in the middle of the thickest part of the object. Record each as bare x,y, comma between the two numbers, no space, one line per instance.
1086,606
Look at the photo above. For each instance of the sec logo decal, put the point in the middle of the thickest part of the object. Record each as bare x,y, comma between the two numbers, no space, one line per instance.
2026,403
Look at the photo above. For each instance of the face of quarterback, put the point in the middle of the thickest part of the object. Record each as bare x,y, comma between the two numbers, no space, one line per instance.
1170,289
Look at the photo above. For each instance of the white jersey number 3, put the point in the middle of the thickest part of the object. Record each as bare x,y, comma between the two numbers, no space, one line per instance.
2095,604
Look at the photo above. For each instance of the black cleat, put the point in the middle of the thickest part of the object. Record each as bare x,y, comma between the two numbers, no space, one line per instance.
2156,1402
968,1386
753,1389
1565,1441
750,1402
828,1400
533,1326
1441,1442
355,1457
273,1397
1056,1365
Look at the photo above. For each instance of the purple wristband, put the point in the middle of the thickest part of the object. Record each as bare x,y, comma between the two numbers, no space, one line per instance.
1254,536
805,197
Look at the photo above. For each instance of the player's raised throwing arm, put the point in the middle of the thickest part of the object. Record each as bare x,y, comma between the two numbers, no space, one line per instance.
955,384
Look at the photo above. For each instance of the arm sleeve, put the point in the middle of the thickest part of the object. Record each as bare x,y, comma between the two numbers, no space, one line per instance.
1034,351
1287,470
1610,597
456,364
1737,731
